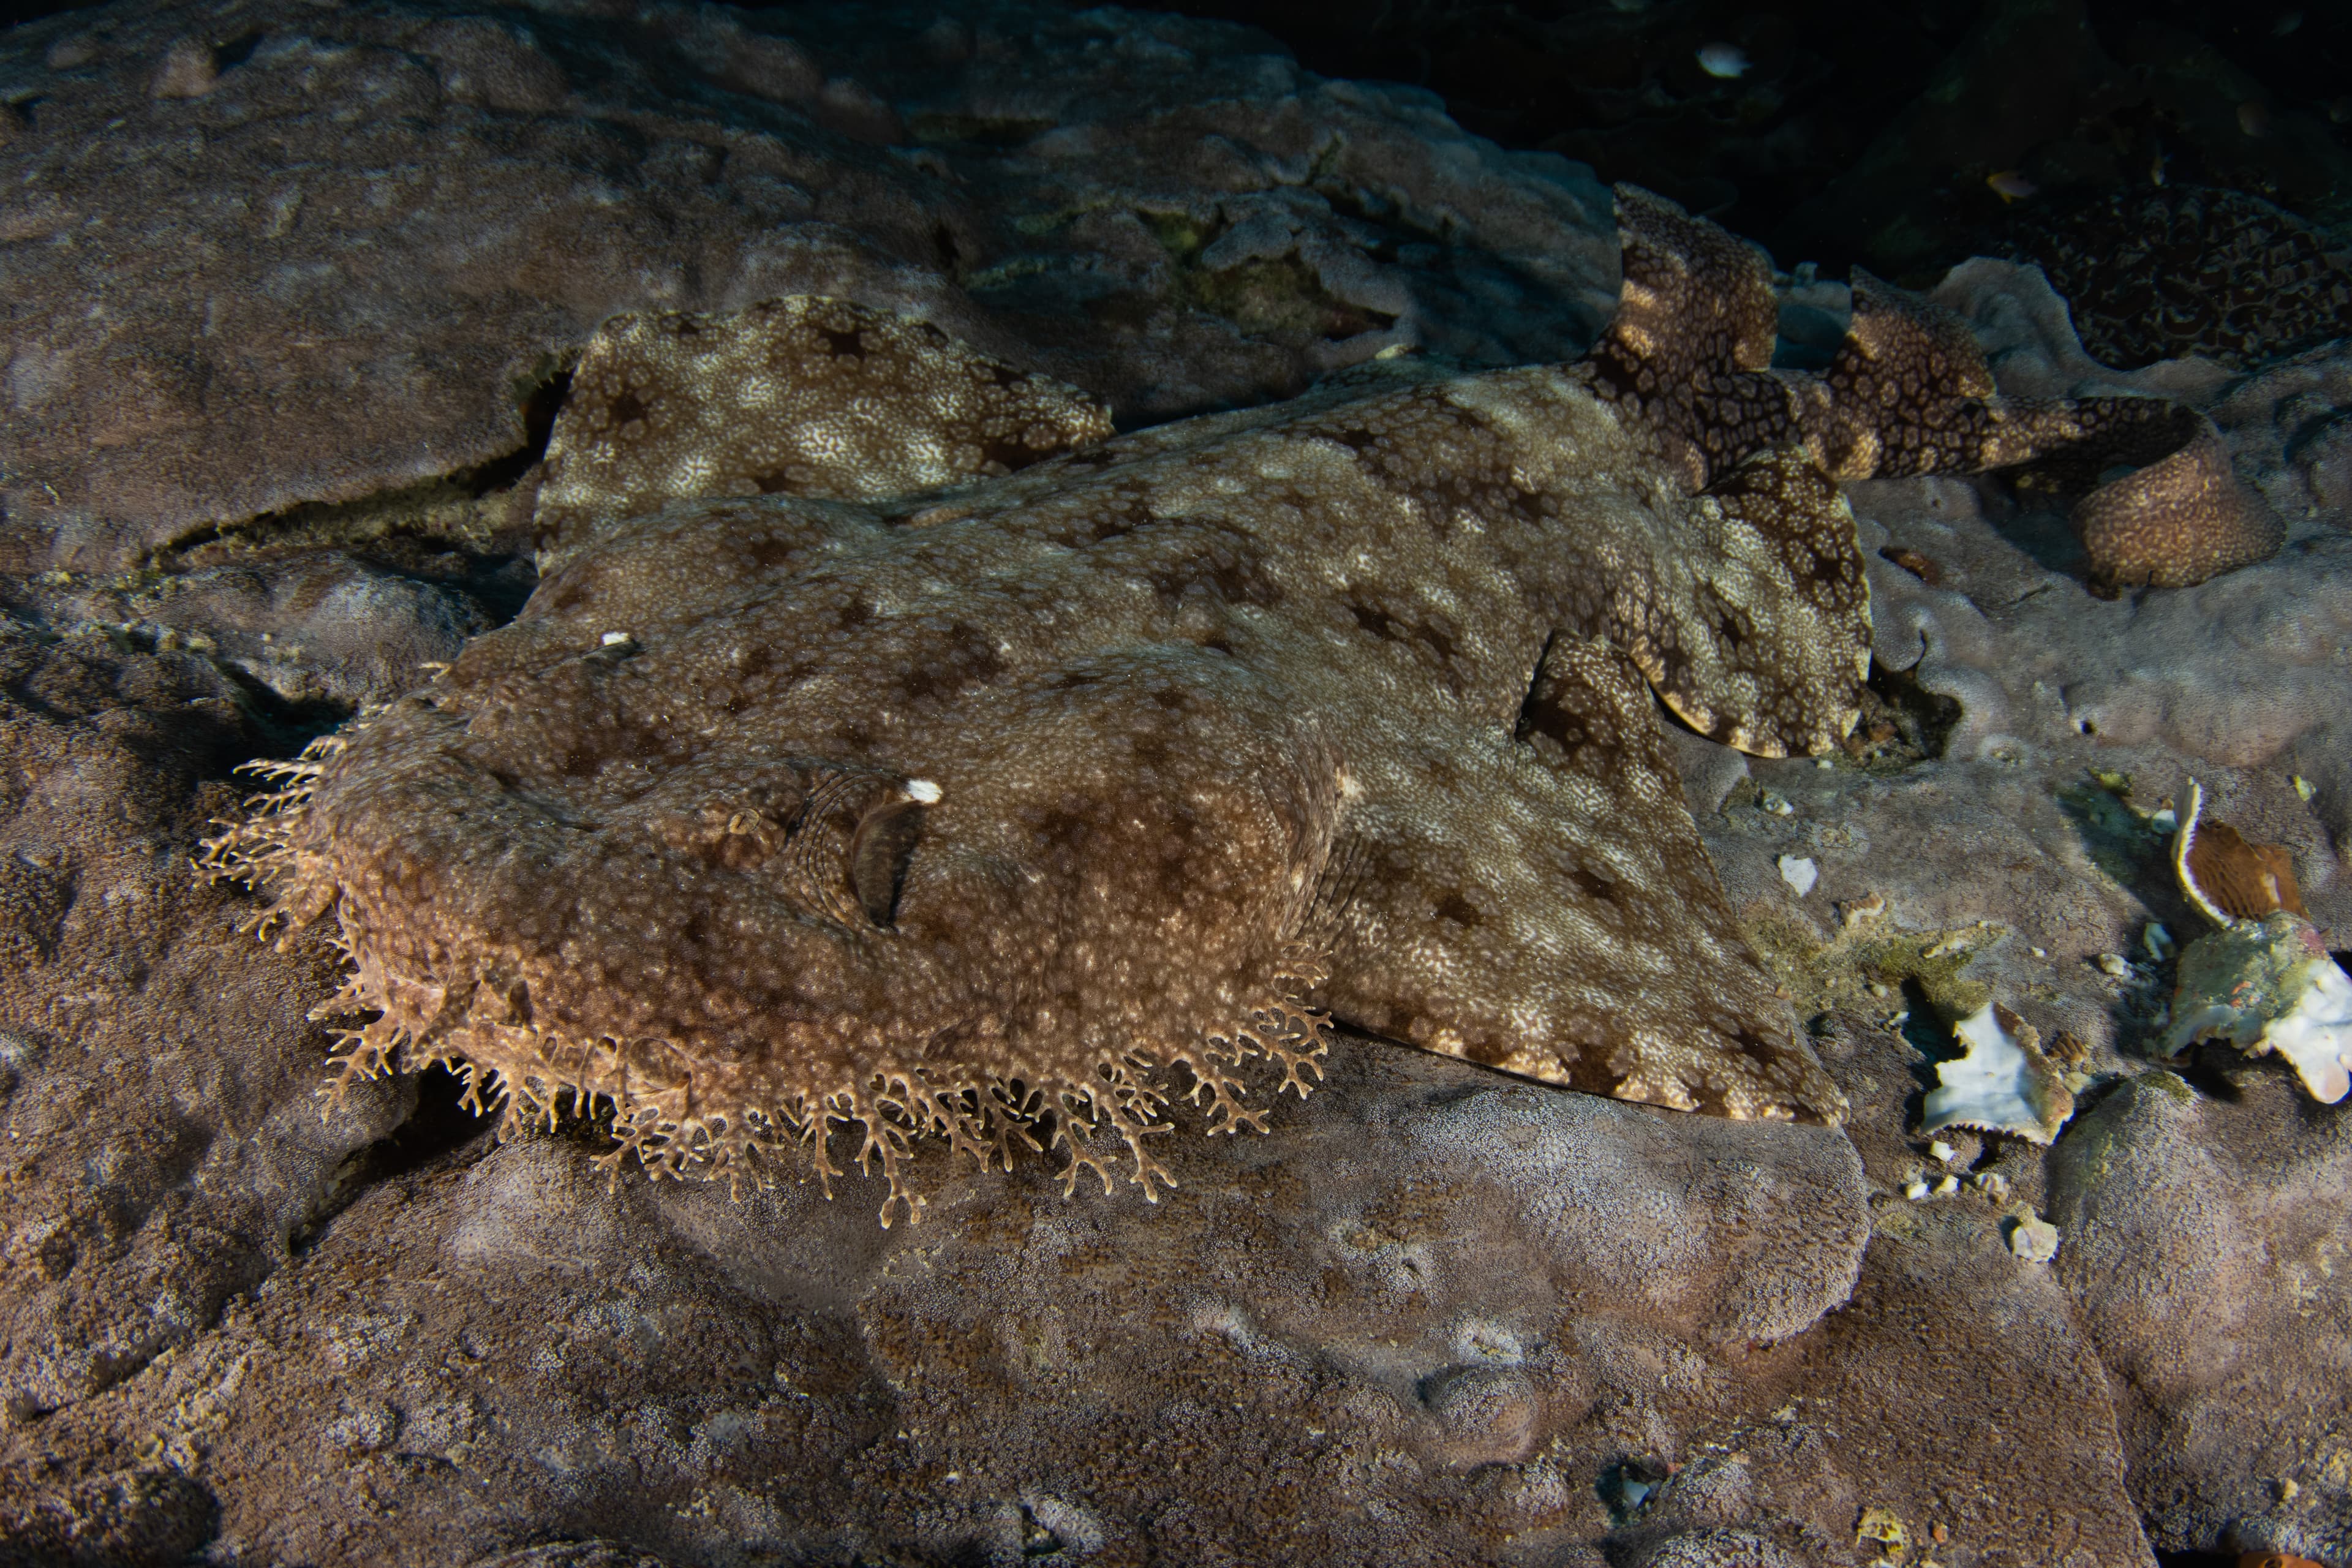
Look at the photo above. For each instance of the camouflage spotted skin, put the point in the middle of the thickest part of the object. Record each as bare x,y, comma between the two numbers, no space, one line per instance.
1908,394
2150,273
1035,803
796,396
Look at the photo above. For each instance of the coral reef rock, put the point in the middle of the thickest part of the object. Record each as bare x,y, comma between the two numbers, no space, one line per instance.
1450,1310
348,246
164,1150
2204,1240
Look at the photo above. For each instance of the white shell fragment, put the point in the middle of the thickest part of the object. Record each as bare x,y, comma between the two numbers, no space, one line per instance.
1799,872
2004,1083
2033,1238
2182,841
2264,985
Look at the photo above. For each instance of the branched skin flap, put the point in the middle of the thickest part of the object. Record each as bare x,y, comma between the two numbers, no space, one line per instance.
1013,812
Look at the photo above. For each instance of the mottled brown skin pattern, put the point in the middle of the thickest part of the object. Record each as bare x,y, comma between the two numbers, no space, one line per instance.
796,396
1908,394
2183,269
983,815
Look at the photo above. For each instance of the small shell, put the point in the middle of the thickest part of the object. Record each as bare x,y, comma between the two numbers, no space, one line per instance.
2033,1238
2264,981
2227,878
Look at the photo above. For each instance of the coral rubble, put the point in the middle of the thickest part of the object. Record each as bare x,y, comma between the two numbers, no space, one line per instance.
2265,980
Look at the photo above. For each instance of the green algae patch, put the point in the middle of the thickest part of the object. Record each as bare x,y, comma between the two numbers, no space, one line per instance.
1178,233
2120,836
1838,975
1278,298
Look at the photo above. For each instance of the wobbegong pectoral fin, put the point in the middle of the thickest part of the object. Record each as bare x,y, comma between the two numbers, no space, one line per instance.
1561,920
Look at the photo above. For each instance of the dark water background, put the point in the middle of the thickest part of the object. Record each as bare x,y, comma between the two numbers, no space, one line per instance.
1914,104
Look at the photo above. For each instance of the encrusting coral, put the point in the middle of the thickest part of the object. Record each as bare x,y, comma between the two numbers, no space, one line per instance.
974,814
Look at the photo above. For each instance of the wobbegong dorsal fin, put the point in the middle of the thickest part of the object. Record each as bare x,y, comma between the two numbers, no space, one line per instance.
801,395
1695,324
1909,391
